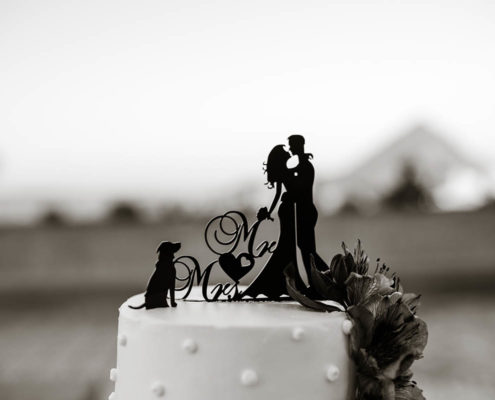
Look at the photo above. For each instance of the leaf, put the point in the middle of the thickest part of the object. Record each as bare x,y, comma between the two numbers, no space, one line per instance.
290,273
408,391
335,260
324,285
320,264
338,269
350,265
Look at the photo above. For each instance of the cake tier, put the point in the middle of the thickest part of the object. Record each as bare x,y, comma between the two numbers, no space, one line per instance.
231,351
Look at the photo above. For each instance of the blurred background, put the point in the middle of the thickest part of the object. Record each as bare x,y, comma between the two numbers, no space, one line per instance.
124,124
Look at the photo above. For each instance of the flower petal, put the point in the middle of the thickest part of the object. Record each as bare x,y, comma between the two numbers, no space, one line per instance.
362,331
360,289
290,273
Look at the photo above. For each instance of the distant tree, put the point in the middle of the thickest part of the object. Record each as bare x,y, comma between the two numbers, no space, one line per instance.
124,212
53,218
349,207
489,205
174,214
410,194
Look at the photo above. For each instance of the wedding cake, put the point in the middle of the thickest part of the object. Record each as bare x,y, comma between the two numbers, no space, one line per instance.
344,332
230,350
355,337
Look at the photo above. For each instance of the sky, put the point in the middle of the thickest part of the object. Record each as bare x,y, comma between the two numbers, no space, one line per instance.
103,99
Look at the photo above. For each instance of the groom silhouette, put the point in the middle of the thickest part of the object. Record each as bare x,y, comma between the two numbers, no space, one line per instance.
301,190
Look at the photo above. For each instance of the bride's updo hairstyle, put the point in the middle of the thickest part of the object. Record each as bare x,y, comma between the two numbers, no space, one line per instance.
276,165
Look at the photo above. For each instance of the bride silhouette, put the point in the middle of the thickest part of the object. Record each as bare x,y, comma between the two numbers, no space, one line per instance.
271,280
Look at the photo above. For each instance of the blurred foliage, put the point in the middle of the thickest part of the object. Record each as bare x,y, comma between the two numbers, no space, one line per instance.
489,205
176,214
349,208
124,212
53,218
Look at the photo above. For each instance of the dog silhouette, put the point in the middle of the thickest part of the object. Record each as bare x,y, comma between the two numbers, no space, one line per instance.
162,281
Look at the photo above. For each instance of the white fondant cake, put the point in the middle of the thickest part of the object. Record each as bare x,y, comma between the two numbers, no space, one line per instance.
231,351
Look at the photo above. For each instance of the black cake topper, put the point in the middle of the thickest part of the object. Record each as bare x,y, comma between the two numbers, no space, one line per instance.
225,233
297,216
163,279
386,336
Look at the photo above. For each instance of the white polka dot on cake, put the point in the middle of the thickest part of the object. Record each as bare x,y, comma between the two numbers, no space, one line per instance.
333,373
113,374
249,377
158,389
347,326
190,346
297,334
122,339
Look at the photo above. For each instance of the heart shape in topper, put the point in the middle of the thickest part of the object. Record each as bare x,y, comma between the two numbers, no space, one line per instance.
233,266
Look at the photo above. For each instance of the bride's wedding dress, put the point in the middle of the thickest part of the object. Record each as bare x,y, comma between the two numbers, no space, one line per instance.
271,279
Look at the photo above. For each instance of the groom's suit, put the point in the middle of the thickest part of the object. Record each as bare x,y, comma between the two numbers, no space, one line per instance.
301,188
